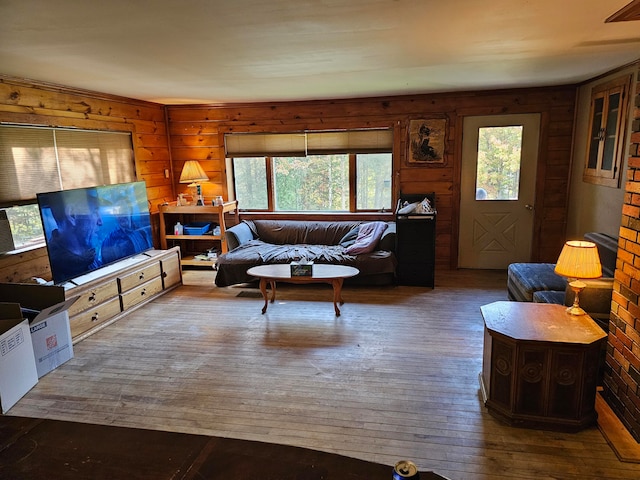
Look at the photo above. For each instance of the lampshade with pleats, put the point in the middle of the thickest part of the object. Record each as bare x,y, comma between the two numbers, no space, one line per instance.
192,172
579,259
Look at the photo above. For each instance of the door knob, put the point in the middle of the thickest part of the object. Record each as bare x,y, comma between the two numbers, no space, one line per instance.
528,207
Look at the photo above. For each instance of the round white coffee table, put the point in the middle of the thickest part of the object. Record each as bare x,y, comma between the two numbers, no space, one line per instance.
321,273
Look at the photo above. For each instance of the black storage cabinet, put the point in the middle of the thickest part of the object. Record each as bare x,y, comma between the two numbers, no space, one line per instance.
416,243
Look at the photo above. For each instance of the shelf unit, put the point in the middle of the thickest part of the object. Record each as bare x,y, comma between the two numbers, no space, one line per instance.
170,213
416,244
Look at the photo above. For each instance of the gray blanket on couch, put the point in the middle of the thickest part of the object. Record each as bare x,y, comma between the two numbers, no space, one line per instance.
270,253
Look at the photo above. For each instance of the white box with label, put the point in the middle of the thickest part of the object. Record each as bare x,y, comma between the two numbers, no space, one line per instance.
18,373
51,337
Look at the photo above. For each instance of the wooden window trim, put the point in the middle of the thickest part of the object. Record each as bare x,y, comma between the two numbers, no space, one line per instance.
271,203
353,184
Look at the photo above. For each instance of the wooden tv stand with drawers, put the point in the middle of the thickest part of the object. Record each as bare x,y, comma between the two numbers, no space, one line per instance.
112,292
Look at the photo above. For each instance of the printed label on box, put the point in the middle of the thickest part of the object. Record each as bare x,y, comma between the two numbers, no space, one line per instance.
38,326
11,342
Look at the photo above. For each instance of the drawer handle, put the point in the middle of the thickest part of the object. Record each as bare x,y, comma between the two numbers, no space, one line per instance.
94,317
92,297
141,277
143,292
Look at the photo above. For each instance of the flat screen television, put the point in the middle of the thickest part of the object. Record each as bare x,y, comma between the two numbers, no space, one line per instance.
88,228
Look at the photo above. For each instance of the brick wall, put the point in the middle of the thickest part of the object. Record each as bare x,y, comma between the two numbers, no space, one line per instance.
622,374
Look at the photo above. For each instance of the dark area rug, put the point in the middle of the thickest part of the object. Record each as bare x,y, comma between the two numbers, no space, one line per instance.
38,449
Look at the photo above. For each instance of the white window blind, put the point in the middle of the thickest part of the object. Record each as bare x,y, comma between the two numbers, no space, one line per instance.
27,161
43,159
308,143
106,158
354,141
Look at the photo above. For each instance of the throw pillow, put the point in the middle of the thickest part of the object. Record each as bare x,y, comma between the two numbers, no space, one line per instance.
368,236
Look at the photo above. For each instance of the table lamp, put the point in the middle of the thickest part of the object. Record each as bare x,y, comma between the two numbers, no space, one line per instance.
192,173
578,260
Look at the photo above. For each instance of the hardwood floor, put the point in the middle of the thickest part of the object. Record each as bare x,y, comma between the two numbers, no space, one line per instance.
394,377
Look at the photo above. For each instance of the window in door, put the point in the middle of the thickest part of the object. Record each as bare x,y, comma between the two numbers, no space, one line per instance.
607,124
498,163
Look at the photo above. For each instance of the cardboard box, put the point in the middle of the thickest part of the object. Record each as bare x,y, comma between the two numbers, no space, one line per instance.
51,337
18,373
47,310
32,295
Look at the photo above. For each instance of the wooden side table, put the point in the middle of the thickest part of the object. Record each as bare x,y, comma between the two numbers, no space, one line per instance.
540,365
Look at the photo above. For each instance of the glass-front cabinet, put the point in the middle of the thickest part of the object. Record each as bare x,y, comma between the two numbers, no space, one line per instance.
605,149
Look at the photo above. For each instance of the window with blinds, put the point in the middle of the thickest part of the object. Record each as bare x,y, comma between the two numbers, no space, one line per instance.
332,171
45,159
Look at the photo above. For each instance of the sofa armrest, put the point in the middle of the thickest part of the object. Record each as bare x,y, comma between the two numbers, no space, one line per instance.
607,249
237,235
388,240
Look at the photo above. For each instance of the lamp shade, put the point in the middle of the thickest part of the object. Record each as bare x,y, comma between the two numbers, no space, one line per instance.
193,172
579,259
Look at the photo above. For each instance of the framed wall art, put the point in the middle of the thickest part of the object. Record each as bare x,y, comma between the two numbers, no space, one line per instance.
426,141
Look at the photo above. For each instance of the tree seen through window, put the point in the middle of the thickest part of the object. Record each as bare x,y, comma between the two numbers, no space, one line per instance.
314,182
499,157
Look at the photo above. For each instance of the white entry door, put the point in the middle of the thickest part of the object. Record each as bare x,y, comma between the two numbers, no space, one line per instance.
497,196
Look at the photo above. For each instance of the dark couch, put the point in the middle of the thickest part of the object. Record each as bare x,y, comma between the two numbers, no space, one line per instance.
260,242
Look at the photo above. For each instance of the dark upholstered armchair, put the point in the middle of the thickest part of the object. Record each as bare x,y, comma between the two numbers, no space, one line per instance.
537,282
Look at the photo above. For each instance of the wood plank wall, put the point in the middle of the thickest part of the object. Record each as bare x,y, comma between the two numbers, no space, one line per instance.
197,132
36,103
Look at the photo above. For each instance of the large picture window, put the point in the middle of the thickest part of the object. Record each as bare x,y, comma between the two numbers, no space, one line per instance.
44,159
316,183
319,172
